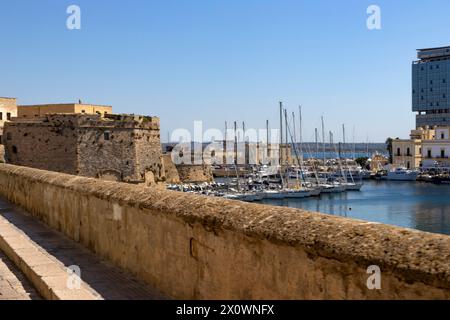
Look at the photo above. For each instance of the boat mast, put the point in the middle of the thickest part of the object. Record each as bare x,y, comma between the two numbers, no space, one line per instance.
340,168
345,159
246,160
286,149
225,156
300,130
295,134
354,144
246,157
236,156
343,150
323,144
317,143
281,134
280,148
294,145
295,151
225,144
267,141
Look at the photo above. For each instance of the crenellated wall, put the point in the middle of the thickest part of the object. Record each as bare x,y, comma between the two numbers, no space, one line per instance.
196,247
120,147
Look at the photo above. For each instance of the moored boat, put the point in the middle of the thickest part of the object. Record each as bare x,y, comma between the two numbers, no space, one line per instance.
401,174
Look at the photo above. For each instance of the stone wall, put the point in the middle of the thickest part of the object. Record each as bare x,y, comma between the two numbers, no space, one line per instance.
123,148
41,145
196,247
170,169
195,173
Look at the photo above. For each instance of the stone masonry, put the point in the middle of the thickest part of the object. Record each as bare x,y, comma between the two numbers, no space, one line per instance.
114,147
8,109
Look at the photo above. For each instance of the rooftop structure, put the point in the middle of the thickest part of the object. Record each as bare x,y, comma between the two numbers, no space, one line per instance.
428,54
32,111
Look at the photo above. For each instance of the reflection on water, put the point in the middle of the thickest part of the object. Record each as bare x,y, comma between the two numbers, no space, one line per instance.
420,206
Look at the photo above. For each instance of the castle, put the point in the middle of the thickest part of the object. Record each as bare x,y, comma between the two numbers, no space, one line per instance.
85,140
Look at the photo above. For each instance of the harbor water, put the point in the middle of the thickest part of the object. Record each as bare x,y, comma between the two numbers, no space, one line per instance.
415,205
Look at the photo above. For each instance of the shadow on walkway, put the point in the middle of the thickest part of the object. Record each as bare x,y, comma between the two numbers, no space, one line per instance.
109,281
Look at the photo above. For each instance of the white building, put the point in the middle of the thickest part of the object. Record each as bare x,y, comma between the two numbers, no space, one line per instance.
436,152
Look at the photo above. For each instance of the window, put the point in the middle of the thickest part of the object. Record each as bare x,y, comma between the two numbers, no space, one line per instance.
444,81
408,165
8,116
106,135
408,152
8,136
14,149
1,115
431,81
421,68
442,153
0,139
83,111
398,152
429,153
442,136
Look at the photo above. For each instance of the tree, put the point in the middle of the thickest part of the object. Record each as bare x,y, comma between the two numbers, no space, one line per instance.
389,148
362,161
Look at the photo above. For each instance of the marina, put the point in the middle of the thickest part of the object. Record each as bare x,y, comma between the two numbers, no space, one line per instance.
411,204
420,206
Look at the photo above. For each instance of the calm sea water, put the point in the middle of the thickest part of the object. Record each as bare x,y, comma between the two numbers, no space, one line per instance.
421,206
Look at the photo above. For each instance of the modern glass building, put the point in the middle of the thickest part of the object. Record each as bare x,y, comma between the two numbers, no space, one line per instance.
431,87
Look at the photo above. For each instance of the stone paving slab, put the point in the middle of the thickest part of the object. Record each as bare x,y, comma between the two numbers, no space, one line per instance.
44,255
13,283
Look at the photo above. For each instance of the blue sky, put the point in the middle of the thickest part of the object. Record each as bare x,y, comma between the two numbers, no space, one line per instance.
217,60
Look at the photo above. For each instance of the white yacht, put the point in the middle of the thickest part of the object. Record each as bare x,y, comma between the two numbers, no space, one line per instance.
297,193
332,188
274,194
401,174
353,186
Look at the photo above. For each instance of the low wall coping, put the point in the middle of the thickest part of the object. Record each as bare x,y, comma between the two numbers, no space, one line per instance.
411,255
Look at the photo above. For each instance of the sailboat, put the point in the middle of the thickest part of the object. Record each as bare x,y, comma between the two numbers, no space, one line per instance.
330,185
349,185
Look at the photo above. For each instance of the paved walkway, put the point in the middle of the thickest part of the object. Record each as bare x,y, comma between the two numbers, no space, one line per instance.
108,281
13,284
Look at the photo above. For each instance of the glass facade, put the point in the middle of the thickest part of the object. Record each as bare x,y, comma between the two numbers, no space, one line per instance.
431,87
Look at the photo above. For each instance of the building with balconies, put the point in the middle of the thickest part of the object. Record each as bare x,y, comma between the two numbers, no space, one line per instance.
408,152
436,152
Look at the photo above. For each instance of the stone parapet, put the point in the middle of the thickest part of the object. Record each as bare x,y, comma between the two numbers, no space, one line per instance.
197,247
